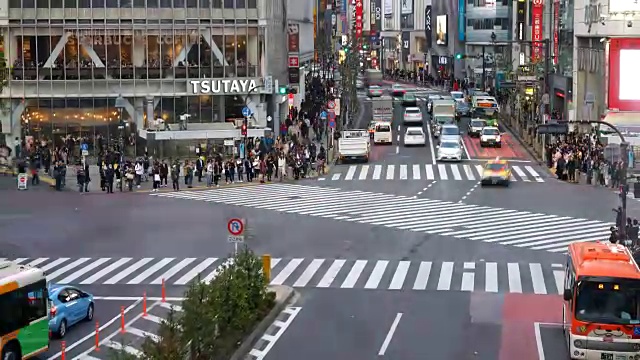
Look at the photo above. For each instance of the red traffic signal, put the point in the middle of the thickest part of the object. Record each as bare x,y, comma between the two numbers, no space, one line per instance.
243,130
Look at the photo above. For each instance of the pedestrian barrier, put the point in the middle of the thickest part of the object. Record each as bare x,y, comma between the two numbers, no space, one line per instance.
144,304
63,350
122,324
164,291
266,266
97,336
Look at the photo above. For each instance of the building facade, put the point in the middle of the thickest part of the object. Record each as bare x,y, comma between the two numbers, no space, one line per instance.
71,59
404,39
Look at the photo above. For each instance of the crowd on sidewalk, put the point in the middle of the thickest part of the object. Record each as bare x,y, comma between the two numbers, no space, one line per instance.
579,158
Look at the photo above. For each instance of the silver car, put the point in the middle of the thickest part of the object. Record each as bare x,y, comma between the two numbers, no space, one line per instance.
449,151
450,132
412,115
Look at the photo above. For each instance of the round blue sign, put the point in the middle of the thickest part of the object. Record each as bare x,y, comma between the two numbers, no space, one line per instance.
246,112
323,115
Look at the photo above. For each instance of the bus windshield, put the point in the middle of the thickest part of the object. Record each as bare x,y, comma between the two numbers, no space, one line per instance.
608,302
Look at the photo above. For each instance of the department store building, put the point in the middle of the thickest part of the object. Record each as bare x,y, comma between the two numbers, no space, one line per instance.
70,60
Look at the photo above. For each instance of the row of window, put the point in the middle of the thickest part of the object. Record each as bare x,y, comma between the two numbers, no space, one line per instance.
75,21
487,3
488,24
20,307
140,4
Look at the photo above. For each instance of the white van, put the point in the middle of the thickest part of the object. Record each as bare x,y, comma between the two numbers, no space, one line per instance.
382,133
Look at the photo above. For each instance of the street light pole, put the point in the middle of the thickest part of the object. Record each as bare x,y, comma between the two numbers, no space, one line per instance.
121,105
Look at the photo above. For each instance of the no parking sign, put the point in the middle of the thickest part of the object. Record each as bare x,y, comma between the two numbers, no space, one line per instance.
22,181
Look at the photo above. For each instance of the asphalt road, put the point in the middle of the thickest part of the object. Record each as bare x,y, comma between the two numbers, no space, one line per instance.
400,325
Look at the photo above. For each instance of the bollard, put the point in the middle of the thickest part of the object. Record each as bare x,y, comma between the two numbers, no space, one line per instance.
266,267
122,319
144,304
164,292
97,336
63,350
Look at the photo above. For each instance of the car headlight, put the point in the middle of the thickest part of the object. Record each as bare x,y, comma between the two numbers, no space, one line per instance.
498,138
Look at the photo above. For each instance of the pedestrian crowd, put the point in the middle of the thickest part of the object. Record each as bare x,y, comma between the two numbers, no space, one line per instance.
581,156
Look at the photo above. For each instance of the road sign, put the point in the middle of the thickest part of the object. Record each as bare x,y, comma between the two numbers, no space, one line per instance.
84,146
22,181
235,227
332,124
331,104
554,129
85,152
323,115
246,112
294,61
235,239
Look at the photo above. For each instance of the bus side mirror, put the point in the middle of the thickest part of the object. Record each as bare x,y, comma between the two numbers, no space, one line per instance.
567,295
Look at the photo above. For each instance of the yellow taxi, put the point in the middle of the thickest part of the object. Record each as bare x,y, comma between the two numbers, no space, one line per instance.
496,172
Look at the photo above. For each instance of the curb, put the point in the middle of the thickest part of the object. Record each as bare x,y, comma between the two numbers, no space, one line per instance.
526,147
43,178
248,343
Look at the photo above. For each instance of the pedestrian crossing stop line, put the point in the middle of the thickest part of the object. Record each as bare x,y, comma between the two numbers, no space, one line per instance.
362,274
523,229
452,172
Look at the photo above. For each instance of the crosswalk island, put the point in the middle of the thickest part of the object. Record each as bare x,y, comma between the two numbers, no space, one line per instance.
495,277
521,229
439,172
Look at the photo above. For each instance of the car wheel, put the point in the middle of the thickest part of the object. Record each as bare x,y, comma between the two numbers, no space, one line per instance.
11,352
89,312
62,330
499,146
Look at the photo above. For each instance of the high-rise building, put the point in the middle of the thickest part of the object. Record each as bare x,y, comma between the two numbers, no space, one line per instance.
80,69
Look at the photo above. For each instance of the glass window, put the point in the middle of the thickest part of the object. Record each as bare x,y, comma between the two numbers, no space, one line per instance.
192,4
252,4
37,303
112,4
153,4
205,4
11,312
56,4
229,4
217,4
72,4
15,4
98,3
42,4
84,4
165,4
240,4
28,3
140,4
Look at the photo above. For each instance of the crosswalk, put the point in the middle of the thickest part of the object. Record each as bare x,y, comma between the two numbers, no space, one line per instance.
522,229
364,96
440,172
498,277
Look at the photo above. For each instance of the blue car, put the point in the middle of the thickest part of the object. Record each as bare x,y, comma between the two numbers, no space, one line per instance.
68,306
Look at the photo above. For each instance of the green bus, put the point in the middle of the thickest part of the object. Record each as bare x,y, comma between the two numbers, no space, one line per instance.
24,321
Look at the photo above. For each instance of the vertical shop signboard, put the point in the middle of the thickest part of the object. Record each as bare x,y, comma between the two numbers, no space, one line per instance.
293,43
358,22
521,15
536,30
556,31
427,26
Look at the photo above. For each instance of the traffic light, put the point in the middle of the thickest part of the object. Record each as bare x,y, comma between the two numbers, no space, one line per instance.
292,90
282,90
243,128
459,56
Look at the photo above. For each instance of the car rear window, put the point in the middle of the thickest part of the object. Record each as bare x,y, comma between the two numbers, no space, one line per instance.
412,111
496,167
414,132
478,123
450,131
383,128
490,132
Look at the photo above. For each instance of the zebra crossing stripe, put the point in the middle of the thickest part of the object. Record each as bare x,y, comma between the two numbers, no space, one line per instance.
446,273
538,281
331,274
376,275
491,277
364,172
377,171
442,171
403,172
354,274
456,173
422,278
400,275
350,173
308,273
468,172
416,172
391,169
515,281
429,171
468,278
75,275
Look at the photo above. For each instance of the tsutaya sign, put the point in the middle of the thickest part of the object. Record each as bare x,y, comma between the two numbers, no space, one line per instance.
221,86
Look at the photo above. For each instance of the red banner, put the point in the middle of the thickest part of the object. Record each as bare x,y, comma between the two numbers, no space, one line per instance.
537,30
358,19
556,30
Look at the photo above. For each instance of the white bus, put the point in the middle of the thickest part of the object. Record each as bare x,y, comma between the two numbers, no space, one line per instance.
24,321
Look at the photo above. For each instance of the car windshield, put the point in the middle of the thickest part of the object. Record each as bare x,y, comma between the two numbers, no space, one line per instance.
478,123
490,132
450,131
412,111
374,87
457,95
409,97
608,302
442,120
449,145
495,167
414,132
383,128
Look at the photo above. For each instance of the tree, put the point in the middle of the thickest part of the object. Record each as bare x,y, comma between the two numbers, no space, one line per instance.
216,316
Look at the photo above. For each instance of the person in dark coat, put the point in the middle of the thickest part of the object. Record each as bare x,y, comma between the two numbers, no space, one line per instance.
109,175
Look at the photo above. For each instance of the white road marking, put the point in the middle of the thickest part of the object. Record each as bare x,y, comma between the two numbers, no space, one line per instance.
403,172
392,330
331,274
429,170
515,281
491,277
422,278
351,172
468,278
431,147
335,177
391,169
468,172
442,170
308,273
415,170
400,275
377,171
537,278
446,272
354,275
456,172
364,172
376,274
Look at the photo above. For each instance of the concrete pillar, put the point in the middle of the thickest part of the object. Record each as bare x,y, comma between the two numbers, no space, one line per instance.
138,54
150,108
11,124
252,50
11,47
138,115
207,34
221,110
57,50
92,53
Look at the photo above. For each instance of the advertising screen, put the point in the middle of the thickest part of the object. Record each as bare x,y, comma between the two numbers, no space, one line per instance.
441,30
624,55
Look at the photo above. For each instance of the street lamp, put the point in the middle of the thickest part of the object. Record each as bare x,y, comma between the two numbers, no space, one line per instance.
121,104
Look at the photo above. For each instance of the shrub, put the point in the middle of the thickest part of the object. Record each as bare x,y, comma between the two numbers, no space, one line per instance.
216,316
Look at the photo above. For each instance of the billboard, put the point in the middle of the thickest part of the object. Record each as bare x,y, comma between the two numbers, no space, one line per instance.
462,20
406,7
358,20
556,31
442,35
521,16
624,57
536,29
388,9
623,6
427,26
